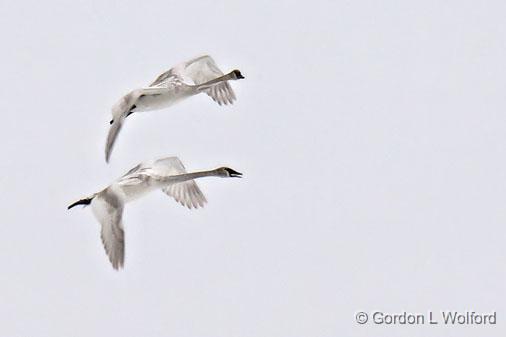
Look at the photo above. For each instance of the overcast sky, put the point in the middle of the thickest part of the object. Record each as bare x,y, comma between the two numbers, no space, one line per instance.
371,135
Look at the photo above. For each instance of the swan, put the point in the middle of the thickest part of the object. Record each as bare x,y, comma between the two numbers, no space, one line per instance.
189,78
167,174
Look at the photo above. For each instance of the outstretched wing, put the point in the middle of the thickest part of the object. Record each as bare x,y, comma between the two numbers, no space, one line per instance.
120,111
200,70
187,193
112,135
137,177
108,210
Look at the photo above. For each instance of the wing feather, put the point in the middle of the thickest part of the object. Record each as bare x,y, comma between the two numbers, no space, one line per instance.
108,210
187,193
200,70
120,111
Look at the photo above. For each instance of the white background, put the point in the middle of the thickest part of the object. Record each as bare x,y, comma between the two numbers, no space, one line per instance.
372,139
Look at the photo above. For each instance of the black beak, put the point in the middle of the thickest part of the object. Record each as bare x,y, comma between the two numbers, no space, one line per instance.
234,174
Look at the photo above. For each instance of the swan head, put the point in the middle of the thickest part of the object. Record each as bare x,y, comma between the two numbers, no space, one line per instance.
237,74
226,172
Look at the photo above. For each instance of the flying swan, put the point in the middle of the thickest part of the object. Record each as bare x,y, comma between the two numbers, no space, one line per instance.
167,174
184,80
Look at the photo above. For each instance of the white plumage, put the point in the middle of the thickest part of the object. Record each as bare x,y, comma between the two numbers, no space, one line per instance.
184,80
167,174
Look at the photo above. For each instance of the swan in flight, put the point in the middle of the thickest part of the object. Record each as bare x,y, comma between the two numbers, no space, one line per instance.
184,80
167,174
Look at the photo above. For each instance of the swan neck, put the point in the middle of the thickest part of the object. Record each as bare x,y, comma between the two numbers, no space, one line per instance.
210,83
193,175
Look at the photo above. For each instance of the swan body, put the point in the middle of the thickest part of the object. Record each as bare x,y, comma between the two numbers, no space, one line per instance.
165,100
180,82
167,174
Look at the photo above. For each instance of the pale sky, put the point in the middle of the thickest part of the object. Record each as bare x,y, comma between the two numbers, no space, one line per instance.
371,136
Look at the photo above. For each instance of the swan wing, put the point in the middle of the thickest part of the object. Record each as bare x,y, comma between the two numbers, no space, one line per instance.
108,209
120,111
187,193
199,70
203,69
112,135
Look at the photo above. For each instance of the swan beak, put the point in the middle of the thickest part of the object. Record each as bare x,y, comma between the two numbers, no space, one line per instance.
235,174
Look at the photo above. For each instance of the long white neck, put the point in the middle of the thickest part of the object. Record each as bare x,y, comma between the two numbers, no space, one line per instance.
207,85
190,176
